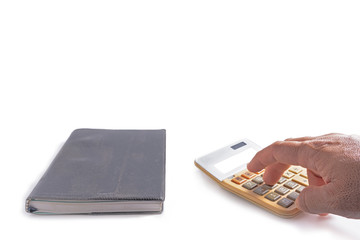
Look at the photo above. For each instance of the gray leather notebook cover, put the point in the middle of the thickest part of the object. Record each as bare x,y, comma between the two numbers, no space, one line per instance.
104,171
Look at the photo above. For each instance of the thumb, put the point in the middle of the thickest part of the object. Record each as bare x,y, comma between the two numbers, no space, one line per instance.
315,199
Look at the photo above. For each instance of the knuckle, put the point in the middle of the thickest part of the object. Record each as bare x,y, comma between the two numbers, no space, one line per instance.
313,147
333,134
311,151
304,145
277,145
310,145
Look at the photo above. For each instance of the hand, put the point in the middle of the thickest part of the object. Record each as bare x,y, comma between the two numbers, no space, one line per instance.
333,165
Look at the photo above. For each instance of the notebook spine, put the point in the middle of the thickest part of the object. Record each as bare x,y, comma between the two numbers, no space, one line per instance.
27,204
29,208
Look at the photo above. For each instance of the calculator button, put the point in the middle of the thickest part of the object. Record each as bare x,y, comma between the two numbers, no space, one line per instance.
301,180
262,171
261,190
248,175
272,196
299,189
258,180
285,202
295,169
291,184
282,190
293,196
288,174
304,174
249,185
270,186
281,180
238,180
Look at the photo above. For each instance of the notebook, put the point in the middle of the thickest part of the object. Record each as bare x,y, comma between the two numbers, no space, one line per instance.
104,171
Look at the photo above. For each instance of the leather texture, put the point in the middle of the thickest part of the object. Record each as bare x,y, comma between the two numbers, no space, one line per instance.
99,164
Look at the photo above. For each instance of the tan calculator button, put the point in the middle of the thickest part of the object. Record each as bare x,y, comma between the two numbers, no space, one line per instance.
288,174
304,174
248,175
295,169
262,171
301,180
238,180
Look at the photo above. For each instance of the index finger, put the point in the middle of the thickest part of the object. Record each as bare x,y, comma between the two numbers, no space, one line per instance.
286,152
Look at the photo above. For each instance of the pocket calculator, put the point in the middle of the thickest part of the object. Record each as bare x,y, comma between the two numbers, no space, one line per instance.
227,166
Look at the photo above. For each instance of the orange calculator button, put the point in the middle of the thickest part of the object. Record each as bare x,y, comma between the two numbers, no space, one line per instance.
248,175
238,180
262,171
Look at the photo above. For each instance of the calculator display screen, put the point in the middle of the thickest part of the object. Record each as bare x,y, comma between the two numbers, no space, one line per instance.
236,160
238,145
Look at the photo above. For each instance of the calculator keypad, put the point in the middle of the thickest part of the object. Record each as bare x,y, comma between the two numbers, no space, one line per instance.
283,194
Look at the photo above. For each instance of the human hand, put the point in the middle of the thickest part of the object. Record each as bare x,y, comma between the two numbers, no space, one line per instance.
333,166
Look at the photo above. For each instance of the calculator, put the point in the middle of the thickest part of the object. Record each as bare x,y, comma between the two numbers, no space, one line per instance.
227,166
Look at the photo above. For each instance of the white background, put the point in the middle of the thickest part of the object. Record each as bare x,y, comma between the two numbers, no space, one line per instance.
210,72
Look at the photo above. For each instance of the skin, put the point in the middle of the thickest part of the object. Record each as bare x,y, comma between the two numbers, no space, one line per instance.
333,166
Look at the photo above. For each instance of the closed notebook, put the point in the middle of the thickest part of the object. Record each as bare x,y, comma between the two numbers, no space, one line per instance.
104,171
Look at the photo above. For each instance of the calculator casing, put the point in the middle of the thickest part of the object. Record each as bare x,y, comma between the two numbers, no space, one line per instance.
207,165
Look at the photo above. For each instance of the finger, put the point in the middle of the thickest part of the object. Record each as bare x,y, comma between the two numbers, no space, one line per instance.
300,139
332,134
315,180
286,152
307,138
274,172
315,199
261,159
